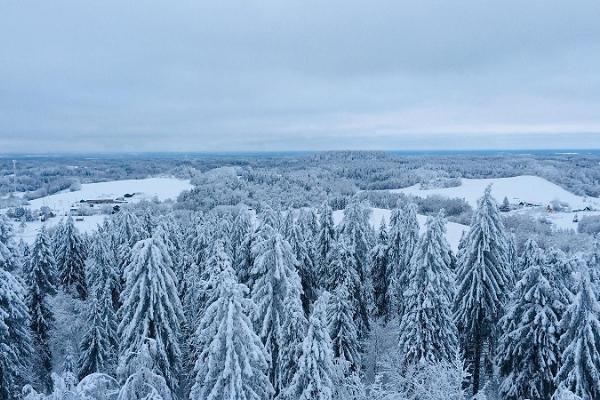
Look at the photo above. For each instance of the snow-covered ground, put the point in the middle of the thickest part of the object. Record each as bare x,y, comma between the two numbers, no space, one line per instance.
526,188
60,203
145,189
453,230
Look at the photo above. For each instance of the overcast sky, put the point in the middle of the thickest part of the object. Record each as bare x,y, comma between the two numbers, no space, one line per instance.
298,75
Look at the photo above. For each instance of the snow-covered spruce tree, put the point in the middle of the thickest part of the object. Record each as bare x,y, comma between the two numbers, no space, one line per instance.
97,351
531,255
293,331
427,330
232,363
244,259
324,241
380,267
15,338
309,224
580,344
70,260
482,278
559,269
528,352
357,233
203,290
343,271
404,237
342,328
242,225
103,273
512,258
129,232
9,254
145,380
304,266
314,378
41,284
151,310
274,281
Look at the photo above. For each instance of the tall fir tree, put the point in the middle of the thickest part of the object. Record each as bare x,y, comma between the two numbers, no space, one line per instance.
304,266
96,351
580,343
357,233
325,240
404,237
274,281
427,330
528,351
15,338
233,362
70,260
293,331
342,328
41,284
483,280
380,267
9,253
314,378
151,310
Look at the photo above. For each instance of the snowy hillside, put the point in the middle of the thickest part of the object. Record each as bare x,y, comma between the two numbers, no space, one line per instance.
526,188
144,189
60,203
453,230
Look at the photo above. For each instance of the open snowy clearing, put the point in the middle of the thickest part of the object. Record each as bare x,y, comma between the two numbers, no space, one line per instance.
525,188
144,189
453,230
60,203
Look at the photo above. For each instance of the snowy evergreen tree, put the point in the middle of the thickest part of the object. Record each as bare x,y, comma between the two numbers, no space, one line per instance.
356,231
245,259
144,380
151,310
427,330
404,237
483,278
41,284
381,270
97,352
580,344
203,290
528,351
15,339
242,226
314,378
9,253
103,273
560,271
293,331
343,271
275,280
233,363
342,329
325,239
70,260
304,266
531,255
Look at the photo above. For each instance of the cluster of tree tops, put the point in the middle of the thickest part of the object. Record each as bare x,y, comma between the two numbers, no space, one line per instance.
280,306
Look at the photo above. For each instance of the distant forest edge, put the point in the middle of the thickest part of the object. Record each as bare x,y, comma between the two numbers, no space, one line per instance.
300,179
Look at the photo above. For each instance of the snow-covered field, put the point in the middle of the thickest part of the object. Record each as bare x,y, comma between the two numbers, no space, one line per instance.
60,203
453,230
526,188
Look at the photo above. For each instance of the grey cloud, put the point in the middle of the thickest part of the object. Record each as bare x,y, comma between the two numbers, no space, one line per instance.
288,75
